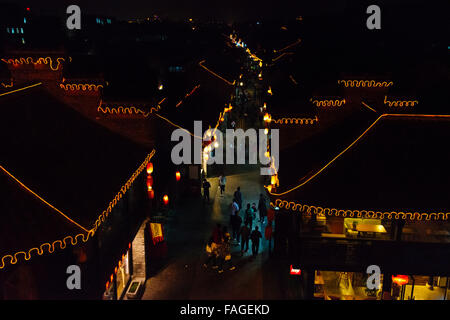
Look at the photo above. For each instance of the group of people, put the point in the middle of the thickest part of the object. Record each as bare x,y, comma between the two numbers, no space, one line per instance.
242,221
242,233
218,249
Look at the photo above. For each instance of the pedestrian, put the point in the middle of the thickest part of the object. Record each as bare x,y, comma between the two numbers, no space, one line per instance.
217,234
206,186
255,236
254,208
238,197
249,216
245,236
222,182
211,251
225,254
234,210
262,208
236,226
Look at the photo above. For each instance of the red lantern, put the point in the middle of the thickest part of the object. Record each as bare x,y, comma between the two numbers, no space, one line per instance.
149,168
178,175
166,199
149,182
151,194
400,279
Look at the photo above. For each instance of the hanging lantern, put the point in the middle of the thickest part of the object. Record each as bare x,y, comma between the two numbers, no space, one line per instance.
400,279
151,193
166,199
178,175
266,131
149,168
149,182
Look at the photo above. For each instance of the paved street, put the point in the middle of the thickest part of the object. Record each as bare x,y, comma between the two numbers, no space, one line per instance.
183,276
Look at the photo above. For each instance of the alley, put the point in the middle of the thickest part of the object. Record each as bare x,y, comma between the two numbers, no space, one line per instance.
184,277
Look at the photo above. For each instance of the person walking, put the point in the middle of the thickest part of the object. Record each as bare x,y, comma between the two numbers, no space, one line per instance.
236,225
206,186
222,182
245,237
262,208
249,216
255,236
211,250
238,197
234,210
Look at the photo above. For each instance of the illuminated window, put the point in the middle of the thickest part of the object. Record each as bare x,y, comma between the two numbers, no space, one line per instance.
23,41
21,30
108,21
12,30
17,30
7,30
24,20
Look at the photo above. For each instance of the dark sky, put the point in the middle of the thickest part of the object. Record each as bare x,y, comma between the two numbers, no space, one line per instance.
227,10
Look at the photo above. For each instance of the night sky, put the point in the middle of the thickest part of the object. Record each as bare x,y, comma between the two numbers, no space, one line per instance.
229,11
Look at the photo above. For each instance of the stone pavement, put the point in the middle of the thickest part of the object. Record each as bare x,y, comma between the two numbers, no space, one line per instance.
183,277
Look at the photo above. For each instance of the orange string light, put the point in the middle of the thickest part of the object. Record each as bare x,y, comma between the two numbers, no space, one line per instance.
365,83
400,103
21,89
35,61
80,86
215,74
328,103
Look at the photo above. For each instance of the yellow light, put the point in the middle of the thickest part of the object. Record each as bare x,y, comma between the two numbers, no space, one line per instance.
269,188
273,180
80,86
269,91
160,87
301,121
30,60
267,154
206,157
267,117
365,83
21,89
400,103
265,106
328,103
266,131
216,144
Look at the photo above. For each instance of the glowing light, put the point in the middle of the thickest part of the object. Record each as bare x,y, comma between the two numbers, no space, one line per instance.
266,131
289,46
293,80
21,89
400,103
80,86
400,279
166,199
216,145
149,181
178,175
267,117
5,85
160,87
41,60
365,83
215,74
149,168
328,103
273,180
131,110
301,121
295,272
281,56
269,91
369,214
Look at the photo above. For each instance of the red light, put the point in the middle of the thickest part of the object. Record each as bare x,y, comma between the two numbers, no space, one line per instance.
28,9
166,199
178,175
296,272
151,194
149,168
149,182
129,245
400,279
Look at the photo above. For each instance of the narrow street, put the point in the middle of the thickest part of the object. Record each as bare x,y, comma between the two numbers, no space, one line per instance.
184,277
